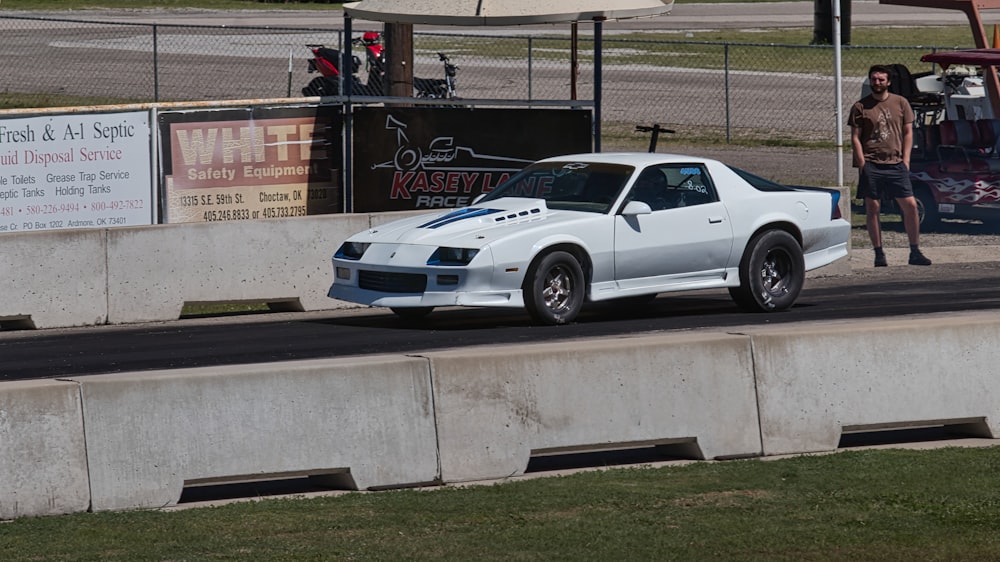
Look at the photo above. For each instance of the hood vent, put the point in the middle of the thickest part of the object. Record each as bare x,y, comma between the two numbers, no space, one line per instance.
512,216
499,216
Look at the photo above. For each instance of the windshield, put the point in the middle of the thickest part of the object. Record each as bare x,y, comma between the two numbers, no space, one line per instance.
571,186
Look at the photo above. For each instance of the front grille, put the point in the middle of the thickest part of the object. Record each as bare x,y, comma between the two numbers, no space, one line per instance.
392,282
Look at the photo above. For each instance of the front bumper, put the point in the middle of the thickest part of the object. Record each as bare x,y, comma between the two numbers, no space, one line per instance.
419,285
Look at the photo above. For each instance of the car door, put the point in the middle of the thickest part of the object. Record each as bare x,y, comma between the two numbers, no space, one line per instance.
686,238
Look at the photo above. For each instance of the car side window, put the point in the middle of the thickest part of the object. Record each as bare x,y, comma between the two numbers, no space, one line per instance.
669,186
651,188
689,184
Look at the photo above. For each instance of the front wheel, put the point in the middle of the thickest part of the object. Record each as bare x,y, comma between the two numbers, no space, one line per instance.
772,273
554,289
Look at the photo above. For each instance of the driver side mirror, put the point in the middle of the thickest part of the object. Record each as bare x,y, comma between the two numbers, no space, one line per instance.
633,208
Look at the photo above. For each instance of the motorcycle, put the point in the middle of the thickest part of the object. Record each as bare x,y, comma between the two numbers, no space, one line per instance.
326,61
438,88
374,61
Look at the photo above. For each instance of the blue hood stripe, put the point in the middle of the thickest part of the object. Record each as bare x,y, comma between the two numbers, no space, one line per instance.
462,214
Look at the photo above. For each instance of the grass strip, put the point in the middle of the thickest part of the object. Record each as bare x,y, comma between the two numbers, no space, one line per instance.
856,505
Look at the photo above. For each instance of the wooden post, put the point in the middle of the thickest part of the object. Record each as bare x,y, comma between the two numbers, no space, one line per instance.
399,59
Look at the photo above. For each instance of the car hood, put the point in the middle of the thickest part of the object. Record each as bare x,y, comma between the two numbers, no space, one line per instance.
472,227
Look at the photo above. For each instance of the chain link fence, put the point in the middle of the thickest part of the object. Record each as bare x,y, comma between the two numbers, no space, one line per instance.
708,90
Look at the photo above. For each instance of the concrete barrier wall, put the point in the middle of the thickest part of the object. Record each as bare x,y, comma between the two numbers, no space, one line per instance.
368,420
154,270
815,382
43,456
54,278
136,439
64,278
496,407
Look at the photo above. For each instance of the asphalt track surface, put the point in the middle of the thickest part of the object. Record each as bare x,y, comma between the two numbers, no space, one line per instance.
896,291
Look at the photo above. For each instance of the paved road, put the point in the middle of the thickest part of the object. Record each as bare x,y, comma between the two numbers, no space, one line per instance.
684,17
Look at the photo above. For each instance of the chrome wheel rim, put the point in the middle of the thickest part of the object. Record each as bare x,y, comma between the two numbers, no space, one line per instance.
774,272
557,289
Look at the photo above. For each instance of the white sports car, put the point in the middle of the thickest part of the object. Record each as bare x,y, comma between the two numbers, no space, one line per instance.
593,227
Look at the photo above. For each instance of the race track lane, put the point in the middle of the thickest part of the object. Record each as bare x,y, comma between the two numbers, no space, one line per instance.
885,292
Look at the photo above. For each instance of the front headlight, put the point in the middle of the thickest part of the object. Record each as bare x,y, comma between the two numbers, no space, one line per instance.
351,250
452,256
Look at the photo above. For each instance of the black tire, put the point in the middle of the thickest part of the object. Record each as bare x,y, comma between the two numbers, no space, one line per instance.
554,288
412,313
927,209
772,273
321,86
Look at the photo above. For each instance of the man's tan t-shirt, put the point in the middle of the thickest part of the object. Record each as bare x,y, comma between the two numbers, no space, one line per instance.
881,127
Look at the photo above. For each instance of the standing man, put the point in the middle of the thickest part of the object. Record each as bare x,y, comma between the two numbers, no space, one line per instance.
882,138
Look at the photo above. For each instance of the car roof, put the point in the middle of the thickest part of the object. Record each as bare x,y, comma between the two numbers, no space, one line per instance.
637,159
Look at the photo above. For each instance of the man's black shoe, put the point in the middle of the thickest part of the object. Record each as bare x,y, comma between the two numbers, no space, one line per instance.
880,261
917,258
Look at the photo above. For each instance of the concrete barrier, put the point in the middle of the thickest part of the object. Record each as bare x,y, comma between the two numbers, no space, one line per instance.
54,279
64,278
818,381
154,270
368,422
498,406
43,459
483,413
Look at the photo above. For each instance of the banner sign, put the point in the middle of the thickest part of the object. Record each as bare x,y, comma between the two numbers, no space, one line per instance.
425,158
75,171
244,164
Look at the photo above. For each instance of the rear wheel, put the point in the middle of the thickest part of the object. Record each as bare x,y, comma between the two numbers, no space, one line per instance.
772,273
322,86
927,209
554,289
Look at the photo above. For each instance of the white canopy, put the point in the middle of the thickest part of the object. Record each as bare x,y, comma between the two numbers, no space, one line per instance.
470,13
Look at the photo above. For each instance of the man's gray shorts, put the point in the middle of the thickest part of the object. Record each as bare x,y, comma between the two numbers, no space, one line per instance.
884,180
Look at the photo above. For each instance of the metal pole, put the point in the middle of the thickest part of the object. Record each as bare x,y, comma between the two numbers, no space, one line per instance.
345,70
156,67
289,94
839,87
729,137
598,47
530,64
574,60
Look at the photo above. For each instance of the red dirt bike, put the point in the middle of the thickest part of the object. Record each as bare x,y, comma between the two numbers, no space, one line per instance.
327,62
